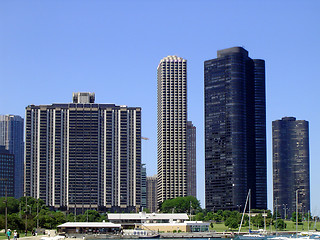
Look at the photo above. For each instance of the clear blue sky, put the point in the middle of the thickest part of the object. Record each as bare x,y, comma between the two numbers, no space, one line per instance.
49,49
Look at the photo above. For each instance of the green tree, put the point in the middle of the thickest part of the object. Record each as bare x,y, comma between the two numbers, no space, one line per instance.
258,220
281,224
15,222
209,216
91,216
146,210
12,204
226,214
217,217
199,216
181,205
231,222
293,218
70,217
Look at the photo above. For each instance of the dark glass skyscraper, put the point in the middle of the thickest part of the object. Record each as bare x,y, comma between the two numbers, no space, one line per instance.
6,172
290,141
235,130
11,136
143,186
191,160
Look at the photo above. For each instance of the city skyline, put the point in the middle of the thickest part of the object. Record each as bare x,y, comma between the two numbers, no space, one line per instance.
50,49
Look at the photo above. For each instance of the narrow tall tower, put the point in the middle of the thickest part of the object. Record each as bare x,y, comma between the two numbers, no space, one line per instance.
235,130
290,141
11,136
191,160
172,127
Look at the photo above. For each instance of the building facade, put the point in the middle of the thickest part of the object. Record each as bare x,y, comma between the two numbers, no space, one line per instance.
290,141
6,173
143,186
84,155
235,130
152,202
11,136
191,160
172,128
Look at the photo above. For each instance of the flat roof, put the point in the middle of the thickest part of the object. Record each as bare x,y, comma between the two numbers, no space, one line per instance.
145,216
90,224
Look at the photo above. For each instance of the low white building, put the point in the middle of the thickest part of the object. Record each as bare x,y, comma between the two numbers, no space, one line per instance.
129,220
89,227
187,226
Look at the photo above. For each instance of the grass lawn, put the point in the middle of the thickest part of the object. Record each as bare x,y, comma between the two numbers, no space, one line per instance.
291,226
4,236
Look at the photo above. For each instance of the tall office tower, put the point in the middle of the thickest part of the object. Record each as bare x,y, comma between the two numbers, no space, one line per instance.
290,140
172,128
11,136
143,186
191,160
6,173
152,202
235,130
84,155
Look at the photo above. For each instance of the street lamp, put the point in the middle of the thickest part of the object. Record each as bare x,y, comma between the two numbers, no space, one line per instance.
297,211
285,211
239,207
26,211
6,201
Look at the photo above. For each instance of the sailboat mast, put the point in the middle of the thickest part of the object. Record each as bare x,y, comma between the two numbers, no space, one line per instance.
244,210
249,209
297,212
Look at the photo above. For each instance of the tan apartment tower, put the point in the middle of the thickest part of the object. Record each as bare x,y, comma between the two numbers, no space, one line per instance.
172,127
152,193
83,155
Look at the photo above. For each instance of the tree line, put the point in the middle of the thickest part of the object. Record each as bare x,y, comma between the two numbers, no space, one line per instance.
35,214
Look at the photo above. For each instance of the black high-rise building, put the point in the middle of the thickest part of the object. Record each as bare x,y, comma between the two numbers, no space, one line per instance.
191,159
11,136
6,173
235,130
290,141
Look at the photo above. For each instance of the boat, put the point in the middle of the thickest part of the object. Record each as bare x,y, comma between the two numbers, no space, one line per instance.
149,236
279,238
251,236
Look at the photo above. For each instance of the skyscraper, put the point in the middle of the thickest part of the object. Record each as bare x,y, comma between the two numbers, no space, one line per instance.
84,155
152,193
143,186
11,136
235,130
191,160
172,127
290,141
6,172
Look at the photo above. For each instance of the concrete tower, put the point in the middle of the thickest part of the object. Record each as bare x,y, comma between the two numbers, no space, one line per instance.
172,127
